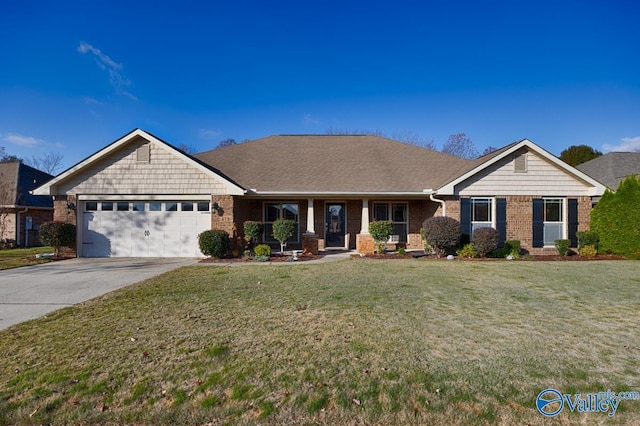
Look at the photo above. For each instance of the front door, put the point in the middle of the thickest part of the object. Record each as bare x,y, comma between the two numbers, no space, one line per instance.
335,225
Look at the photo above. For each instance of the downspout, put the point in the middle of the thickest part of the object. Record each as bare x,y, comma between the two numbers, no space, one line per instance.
432,198
18,223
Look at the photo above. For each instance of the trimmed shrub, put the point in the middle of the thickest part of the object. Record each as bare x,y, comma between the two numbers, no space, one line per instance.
468,251
485,240
58,235
588,251
380,230
563,247
214,243
616,220
262,250
252,231
587,238
442,234
283,229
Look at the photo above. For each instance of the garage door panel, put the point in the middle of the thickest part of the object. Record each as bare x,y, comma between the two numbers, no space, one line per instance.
142,231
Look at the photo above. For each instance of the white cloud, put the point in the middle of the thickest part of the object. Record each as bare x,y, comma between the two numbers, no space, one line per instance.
308,119
91,101
21,140
625,145
116,79
209,133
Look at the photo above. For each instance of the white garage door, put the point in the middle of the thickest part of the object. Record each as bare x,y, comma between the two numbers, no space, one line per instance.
143,228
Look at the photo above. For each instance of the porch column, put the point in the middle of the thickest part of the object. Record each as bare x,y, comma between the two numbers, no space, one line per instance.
310,217
364,228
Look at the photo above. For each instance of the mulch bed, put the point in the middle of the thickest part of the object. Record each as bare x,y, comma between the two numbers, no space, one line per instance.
274,258
545,258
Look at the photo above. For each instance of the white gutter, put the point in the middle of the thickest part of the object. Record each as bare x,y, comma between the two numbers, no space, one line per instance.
333,193
431,193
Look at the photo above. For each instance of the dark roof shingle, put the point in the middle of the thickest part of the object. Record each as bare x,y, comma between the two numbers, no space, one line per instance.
333,164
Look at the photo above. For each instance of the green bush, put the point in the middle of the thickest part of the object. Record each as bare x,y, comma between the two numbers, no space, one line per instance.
468,251
58,235
283,229
262,250
485,240
588,251
513,248
442,234
563,247
252,231
380,230
214,243
616,221
587,238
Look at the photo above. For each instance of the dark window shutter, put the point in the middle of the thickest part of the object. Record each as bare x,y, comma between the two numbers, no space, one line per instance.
465,219
573,221
501,220
538,227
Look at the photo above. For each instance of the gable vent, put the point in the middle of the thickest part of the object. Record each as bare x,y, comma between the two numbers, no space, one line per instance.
520,163
142,154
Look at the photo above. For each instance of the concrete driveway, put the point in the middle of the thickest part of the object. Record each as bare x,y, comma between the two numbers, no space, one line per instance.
32,291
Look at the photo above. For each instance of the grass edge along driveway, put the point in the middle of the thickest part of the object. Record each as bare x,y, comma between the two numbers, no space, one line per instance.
358,341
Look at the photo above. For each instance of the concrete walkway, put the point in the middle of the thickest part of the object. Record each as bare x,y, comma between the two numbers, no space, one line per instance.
32,291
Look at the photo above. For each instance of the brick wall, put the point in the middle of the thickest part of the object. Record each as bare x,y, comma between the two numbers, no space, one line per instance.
62,214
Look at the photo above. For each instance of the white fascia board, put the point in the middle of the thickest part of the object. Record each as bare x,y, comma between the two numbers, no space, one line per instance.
596,187
45,189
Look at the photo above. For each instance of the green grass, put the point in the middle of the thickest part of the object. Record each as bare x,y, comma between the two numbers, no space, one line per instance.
354,342
15,258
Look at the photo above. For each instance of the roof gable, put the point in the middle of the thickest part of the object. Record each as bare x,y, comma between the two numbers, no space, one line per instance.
18,180
84,166
483,164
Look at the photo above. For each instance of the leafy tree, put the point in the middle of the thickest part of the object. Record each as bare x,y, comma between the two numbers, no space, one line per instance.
252,231
460,145
380,230
6,158
616,221
226,142
578,154
283,229
488,150
48,162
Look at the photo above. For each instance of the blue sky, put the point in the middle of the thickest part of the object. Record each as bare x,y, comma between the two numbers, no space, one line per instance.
75,76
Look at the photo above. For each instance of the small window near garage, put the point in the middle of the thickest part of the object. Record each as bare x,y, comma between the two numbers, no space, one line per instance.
203,206
520,163
142,153
91,206
155,206
187,206
138,206
171,206
107,206
122,206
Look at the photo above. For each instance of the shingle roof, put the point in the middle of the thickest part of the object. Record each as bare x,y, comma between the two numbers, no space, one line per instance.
333,164
611,168
20,179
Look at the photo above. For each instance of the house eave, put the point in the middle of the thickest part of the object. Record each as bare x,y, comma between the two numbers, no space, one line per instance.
337,194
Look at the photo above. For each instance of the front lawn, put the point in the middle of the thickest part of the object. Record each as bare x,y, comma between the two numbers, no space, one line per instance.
15,258
354,342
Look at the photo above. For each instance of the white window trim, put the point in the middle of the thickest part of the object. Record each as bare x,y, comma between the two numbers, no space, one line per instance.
565,219
492,200
269,239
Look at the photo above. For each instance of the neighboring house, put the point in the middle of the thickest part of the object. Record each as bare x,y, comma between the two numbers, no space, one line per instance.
21,213
611,168
141,196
